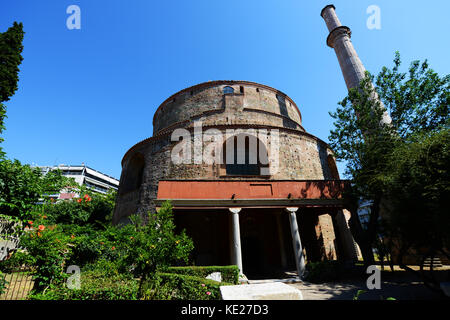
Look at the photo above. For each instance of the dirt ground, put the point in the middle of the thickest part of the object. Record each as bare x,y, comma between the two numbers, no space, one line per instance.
399,284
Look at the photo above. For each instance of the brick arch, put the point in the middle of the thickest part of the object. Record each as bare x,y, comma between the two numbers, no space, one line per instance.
133,174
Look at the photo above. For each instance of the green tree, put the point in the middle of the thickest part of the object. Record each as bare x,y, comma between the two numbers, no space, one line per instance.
155,245
418,189
418,102
10,58
19,188
23,186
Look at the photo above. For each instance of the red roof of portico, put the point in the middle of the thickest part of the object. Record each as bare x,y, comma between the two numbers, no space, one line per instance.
250,190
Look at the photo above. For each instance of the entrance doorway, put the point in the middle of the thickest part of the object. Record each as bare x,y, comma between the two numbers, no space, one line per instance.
266,241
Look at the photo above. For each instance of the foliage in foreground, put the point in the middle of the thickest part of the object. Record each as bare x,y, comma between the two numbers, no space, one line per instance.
3,282
154,245
138,249
173,286
96,285
48,247
230,274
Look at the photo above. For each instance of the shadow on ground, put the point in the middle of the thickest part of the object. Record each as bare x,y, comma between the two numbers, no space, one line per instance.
400,285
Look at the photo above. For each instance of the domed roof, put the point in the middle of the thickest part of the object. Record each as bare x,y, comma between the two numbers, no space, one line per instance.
208,96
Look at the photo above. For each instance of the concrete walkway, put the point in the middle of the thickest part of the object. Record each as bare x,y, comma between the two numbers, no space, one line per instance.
347,290
399,285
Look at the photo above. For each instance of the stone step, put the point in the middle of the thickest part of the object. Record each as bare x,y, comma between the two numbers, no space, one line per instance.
261,291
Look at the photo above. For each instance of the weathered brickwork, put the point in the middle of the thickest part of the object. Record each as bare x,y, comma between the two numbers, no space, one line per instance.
256,104
251,106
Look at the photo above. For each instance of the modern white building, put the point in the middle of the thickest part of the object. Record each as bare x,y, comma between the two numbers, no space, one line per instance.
83,175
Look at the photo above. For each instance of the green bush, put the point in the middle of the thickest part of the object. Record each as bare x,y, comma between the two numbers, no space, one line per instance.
3,282
230,274
95,285
172,286
107,267
90,245
323,271
89,209
49,247
155,246
20,259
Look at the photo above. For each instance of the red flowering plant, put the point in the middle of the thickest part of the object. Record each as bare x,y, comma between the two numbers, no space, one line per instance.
88,208
84,200
49,247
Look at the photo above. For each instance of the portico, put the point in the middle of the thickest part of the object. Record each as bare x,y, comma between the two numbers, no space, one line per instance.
260,226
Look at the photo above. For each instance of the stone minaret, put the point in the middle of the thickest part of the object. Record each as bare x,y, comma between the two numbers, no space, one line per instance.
339,39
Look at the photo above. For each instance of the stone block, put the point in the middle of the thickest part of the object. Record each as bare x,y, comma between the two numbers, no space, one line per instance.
261,291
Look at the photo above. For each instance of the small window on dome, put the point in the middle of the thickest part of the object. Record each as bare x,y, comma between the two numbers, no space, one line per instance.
228,89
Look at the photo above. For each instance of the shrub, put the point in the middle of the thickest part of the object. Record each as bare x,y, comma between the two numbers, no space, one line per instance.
67,212
90,244
48,246
172,286
93,209
3,282
230,274
20,259
95,285
86,248
154,246
107,267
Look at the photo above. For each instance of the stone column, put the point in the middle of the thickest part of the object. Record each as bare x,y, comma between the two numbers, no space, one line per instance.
236,239
296,242
339,39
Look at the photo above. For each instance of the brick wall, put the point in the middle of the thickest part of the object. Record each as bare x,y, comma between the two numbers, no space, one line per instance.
301,155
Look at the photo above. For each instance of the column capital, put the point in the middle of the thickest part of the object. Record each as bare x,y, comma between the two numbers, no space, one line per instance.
336,33
291,209
235,210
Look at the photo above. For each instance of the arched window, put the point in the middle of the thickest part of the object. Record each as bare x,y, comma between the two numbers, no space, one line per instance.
228,89
133,174
245,155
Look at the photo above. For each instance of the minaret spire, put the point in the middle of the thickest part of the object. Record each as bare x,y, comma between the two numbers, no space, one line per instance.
339,39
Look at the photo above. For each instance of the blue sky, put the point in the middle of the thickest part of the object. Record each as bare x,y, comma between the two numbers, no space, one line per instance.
89,95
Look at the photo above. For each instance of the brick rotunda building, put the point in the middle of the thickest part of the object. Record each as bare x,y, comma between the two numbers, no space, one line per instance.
268,211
